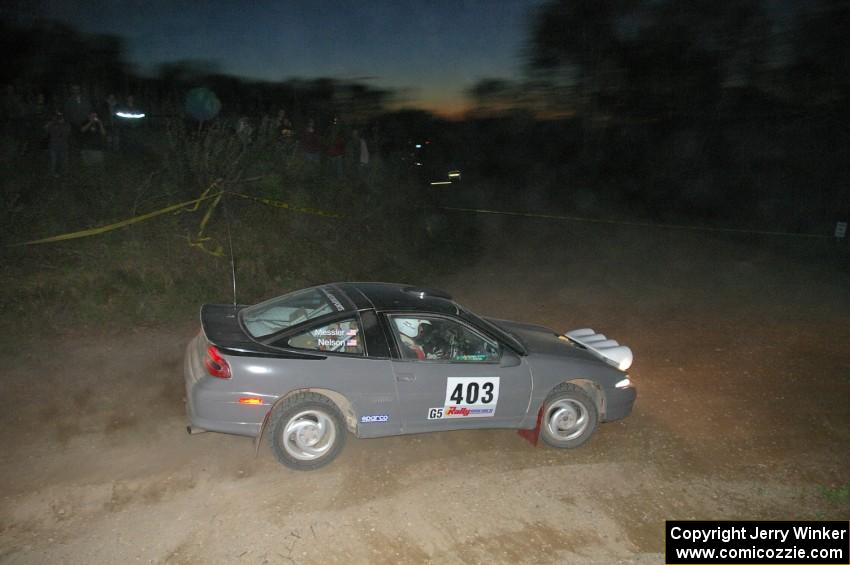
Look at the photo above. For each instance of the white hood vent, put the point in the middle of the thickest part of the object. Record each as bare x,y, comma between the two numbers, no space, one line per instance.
608,349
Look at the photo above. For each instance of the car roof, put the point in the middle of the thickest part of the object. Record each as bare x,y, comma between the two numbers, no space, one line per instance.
394,296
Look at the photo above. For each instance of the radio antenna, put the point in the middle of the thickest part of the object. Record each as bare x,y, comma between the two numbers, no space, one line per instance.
230,244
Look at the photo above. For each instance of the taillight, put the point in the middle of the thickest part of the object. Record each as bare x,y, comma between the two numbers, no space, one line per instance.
217,366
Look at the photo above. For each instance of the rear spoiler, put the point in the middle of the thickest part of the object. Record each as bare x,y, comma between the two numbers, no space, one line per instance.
221,327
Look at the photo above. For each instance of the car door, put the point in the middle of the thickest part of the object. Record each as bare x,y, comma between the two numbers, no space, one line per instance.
357,366
450,376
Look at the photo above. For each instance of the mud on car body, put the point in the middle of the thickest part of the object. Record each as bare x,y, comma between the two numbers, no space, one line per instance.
380,359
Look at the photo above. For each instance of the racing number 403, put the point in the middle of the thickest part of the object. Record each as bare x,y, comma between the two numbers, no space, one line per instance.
474,393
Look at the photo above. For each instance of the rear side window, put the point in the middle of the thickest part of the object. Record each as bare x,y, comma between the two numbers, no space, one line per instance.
290,310
343,336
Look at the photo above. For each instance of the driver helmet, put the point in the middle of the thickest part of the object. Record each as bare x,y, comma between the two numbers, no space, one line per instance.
410,326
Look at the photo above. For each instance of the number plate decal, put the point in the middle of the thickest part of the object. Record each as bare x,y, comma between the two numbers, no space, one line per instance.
468,397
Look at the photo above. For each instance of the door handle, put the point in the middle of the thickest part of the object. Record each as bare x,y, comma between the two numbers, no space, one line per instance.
405,377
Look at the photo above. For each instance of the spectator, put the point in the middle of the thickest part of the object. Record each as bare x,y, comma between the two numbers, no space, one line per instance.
336,147
13,107
285,131
58,135
33,135
244,131
93,140
110,106
13,124
38,108
361,152
284,126
127,118
359,155
77,108
311,144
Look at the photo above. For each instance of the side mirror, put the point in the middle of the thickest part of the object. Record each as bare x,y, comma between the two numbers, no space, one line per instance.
509,358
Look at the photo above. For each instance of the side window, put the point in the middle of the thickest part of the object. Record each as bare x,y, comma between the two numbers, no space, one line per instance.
441,339
339,337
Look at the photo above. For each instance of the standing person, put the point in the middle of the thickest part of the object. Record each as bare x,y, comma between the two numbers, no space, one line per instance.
311,143
375,161
244,131
38,108
93,140
36,114
76,111
361,153
77,107
58,136
110,106
128,119
336,147
285,132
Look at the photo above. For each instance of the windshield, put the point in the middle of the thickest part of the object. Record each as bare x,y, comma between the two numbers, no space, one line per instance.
510,338
289,310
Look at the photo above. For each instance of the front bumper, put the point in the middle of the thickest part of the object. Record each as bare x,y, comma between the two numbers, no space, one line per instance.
619,403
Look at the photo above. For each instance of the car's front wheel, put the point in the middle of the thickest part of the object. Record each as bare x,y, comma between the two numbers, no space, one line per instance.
306,431
569,417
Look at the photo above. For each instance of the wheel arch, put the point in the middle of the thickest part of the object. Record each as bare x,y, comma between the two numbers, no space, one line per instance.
342,403
592,389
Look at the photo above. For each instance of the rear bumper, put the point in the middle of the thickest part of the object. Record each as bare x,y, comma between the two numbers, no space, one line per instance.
211,405
619,403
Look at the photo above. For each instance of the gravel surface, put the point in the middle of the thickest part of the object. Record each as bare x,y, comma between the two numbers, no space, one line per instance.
742,367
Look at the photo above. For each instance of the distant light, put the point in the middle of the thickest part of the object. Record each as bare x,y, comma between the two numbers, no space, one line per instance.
418,164
419,146
454,174
130,115
441,182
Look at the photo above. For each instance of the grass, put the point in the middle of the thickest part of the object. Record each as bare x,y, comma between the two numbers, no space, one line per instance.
149,274
835,495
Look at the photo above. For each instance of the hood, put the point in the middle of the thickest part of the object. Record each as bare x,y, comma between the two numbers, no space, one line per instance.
542,340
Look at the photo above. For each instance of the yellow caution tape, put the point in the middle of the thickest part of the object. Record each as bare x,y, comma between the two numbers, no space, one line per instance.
116,225
201,244
203,196
200,240
628,223
188,206
208,214
287,206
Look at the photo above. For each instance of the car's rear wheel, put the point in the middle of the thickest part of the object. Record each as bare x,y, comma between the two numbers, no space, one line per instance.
306,431
569,417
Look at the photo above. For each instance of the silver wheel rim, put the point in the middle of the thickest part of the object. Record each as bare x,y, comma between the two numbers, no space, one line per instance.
566,419
308,435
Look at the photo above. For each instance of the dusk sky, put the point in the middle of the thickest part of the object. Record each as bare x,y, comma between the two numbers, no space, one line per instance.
430,51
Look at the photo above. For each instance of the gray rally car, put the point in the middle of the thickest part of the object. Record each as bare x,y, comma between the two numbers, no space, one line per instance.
380,359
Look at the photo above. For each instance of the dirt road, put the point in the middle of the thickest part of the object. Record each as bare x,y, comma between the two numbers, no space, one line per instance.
743,369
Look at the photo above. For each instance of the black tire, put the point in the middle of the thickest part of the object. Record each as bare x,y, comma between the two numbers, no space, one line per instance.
563,412
303,413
